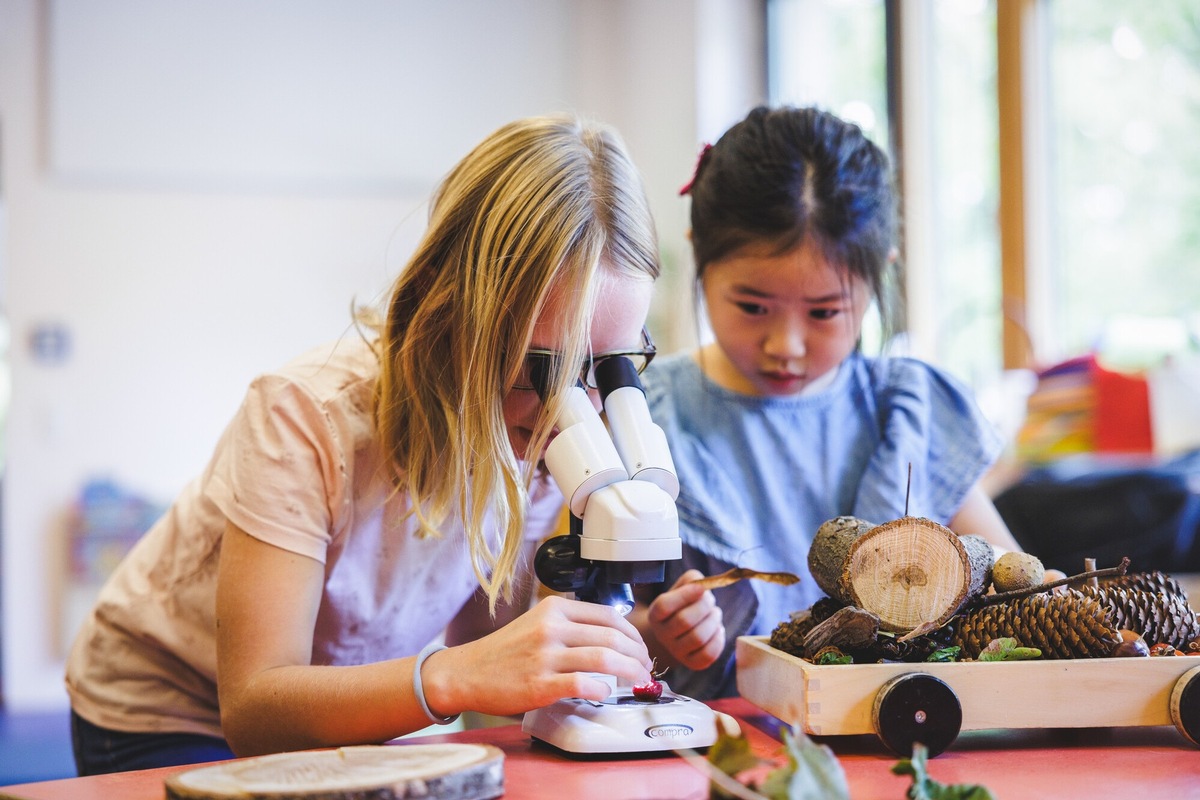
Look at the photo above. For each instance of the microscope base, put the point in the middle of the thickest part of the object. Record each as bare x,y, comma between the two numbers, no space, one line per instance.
623,724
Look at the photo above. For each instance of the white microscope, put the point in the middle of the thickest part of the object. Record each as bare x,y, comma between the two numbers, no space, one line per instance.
620,484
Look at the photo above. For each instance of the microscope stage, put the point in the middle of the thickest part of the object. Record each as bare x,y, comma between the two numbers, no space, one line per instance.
623,724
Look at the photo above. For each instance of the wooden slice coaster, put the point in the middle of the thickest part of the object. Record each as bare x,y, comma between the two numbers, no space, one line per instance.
369,772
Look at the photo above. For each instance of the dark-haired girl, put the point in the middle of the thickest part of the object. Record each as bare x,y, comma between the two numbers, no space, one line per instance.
781,422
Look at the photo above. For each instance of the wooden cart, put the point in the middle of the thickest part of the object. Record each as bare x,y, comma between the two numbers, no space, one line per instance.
931,702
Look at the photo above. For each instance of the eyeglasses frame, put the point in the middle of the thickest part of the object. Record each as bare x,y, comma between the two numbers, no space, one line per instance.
587,370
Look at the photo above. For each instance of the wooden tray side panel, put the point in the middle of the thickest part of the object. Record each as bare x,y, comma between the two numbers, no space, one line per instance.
818,702
773,681
1077,693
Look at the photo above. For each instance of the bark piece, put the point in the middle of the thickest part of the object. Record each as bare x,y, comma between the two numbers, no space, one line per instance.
912,571
848,629
368,772
830,546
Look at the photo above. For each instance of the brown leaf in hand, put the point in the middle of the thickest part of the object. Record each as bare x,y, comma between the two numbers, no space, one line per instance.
742,573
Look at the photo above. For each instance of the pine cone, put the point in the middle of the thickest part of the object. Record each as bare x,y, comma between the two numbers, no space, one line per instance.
890,648
1153,582
825,608
1069,625
1156,616
788,635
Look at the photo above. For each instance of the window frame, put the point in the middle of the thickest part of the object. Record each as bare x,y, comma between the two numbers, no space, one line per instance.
1027,297
1023,117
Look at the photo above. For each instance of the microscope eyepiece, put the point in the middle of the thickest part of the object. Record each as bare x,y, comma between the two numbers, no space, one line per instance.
620,486
615,372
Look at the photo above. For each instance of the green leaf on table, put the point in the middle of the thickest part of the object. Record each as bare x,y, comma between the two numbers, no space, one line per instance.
731,754
925,787
812,772
1007,648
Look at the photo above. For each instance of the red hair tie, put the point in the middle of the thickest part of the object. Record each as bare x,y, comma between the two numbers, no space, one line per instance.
687,187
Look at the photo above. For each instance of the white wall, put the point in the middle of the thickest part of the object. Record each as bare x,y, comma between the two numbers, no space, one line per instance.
196,191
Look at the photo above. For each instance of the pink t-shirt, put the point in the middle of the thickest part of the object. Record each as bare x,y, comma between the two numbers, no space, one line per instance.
299,468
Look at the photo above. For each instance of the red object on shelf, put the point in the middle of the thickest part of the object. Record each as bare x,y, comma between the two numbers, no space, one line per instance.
1122,415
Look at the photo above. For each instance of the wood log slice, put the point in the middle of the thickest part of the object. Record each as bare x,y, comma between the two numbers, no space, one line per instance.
912,571
368,772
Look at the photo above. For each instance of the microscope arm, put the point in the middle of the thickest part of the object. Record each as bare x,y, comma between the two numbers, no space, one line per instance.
621,487
623,528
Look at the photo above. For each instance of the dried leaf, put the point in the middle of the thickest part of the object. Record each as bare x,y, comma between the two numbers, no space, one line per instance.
923,629
742,573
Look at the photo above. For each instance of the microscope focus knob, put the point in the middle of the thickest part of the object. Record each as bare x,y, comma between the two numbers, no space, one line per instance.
559,565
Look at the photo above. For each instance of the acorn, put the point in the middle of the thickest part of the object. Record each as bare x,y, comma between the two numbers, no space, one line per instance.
1017,571
1131,645
1164,649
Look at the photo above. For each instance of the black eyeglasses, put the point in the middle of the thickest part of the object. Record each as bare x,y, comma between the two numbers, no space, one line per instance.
542,362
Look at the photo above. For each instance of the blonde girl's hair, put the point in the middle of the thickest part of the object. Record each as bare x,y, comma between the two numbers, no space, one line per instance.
543,203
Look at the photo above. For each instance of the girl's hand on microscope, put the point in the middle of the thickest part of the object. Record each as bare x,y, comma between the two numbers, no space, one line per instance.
544,655
687,624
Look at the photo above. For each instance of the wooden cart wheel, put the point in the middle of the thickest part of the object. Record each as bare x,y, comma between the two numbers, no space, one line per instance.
917,707
1185,705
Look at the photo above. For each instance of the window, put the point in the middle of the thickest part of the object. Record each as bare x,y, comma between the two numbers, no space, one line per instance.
1125,170
957,281
1082,113
833,53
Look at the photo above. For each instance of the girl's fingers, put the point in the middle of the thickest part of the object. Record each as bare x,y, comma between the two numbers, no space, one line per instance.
548,653
682,606
601,660
590,620
705,643
688,622
595,633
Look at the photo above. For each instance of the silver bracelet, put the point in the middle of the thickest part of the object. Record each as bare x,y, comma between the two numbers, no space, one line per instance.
419,690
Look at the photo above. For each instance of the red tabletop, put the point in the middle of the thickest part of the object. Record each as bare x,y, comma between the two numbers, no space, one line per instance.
1148,762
